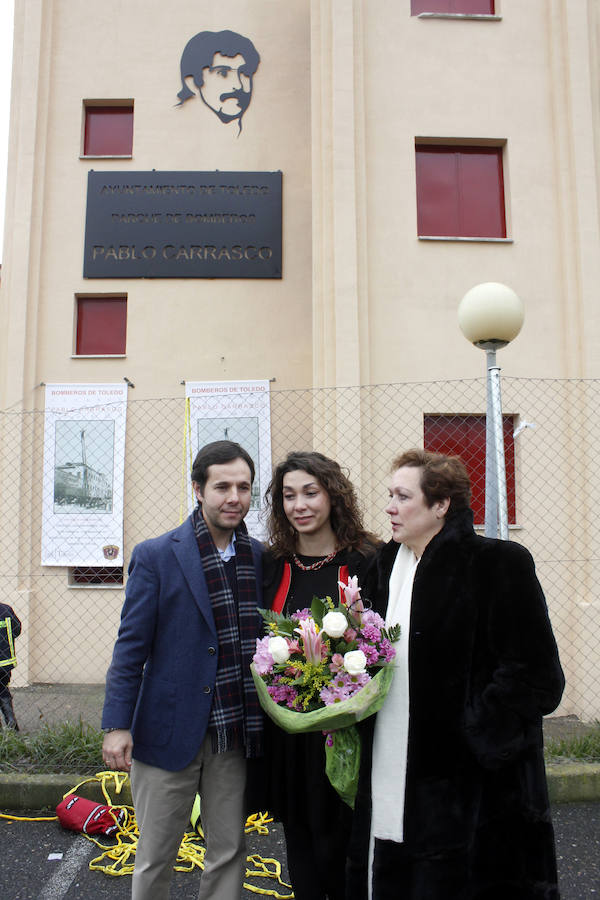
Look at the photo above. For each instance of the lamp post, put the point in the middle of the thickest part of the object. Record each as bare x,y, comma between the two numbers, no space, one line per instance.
491,315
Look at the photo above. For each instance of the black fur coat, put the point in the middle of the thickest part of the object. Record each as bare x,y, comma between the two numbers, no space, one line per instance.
483,669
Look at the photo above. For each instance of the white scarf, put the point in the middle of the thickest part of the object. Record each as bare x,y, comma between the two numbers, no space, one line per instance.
390,743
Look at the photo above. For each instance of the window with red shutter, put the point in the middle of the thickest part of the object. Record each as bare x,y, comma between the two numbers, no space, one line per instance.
101,326
108,131
464,436
462,7
460,191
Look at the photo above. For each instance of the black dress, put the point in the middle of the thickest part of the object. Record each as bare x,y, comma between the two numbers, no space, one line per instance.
316,821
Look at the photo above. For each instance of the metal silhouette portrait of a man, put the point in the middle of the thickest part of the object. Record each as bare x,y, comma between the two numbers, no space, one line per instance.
221,66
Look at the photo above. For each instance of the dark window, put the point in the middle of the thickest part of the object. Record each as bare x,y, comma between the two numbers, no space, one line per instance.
460,191
464,436
464,7
108,131
96,575
101,325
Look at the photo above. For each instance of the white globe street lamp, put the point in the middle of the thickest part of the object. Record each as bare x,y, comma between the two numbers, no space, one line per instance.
491,315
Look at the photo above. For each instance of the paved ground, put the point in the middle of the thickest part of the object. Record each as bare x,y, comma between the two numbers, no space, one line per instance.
52,704
27,873
560,727
33,876
577,828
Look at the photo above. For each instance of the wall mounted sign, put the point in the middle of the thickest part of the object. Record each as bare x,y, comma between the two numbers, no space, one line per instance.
183,225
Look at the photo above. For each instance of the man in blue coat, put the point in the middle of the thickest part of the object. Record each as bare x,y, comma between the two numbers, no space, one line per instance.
180,712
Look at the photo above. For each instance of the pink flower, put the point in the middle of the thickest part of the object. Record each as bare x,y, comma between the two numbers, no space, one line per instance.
370,633
262,659
352,596
370,652
386,651
349,635
342,687
301,614
337,663
283,693
294,646
334,693
311,641
356,682
370,617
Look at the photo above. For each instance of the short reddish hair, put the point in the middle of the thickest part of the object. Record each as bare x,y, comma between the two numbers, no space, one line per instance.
441,476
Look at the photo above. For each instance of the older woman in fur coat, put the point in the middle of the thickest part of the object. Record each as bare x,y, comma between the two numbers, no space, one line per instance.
452,801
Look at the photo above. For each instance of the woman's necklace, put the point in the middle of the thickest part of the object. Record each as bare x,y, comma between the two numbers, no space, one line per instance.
316,565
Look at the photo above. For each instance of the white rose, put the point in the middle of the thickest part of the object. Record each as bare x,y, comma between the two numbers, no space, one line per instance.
355,662
279,650
334,624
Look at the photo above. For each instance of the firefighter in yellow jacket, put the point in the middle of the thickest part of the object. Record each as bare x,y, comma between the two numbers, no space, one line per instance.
10,628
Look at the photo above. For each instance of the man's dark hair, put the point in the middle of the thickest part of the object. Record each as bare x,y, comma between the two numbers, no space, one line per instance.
199,53
216,454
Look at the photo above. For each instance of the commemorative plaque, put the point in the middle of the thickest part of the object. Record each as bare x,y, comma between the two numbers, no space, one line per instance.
183,225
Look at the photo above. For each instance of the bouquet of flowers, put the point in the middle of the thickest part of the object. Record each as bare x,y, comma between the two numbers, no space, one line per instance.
324,669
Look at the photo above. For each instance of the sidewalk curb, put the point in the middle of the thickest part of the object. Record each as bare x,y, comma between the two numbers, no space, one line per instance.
46,791
567,783
573,782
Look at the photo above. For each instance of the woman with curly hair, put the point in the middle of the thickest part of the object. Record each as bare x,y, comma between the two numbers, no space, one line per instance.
316,541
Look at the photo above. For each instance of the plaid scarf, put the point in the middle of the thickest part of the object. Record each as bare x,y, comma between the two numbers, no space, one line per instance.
235,716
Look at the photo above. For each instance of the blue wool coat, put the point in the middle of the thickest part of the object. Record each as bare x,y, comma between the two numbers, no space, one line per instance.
162,676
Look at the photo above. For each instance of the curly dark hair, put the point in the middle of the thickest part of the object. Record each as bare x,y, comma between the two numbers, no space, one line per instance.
345,516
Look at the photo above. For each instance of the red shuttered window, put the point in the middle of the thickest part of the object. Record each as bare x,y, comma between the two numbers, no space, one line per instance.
108,131
460,191
463,7
464,436
101,326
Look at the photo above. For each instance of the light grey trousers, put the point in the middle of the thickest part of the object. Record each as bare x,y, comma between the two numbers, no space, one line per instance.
163,803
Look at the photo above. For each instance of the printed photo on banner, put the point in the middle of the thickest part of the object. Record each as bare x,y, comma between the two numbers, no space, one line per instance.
84,455
83,477
234,411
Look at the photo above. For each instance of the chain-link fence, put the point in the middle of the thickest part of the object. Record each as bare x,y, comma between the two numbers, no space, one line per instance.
70,616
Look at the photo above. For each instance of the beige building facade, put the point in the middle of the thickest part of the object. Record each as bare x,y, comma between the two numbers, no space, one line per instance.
351,101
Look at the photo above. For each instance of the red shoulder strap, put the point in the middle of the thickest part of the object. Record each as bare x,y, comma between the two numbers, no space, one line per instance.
343,576
282,591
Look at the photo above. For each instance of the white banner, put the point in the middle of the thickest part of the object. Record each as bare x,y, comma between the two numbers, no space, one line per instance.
84,457
235,411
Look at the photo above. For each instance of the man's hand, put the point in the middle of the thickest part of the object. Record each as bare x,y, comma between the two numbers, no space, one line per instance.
116,750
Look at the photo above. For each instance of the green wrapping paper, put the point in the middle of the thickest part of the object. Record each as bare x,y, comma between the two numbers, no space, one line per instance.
342,762
343,757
